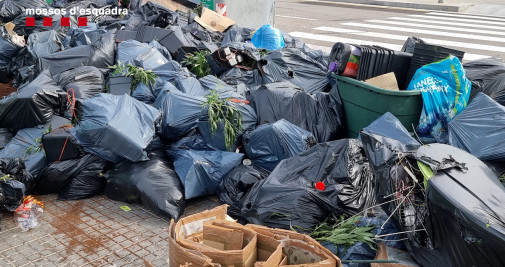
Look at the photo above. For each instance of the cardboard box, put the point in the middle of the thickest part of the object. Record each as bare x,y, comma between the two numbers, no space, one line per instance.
213,21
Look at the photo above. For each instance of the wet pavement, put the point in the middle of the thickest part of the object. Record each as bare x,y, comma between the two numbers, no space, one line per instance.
90,232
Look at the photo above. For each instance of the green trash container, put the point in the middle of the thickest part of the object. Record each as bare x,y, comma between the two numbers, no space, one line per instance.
364,103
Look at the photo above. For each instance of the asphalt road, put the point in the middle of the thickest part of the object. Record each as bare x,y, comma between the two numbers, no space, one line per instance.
321,24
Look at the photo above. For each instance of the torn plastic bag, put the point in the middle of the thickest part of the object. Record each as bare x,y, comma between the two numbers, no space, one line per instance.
487,76
100,54
201,172
295,66
55,177
119,125
321,113
190,86
26,145
87,181
44,43
445,91
236,184
33,104
467,214
288,196
410,44
235,76
153,183
13,191
85,82
269,144
269,38
480,129
5,137
217,140
233,55
10,9
237,34
180,113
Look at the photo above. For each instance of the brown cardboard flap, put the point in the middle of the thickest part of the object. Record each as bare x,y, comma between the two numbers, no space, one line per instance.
180,256
194,223
269,251
214,21
222,238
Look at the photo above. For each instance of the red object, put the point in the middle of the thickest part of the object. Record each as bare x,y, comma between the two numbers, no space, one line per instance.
47,22
30,21
83,21
65,22
320,186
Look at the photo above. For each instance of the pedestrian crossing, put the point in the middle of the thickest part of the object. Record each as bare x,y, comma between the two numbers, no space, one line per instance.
479,36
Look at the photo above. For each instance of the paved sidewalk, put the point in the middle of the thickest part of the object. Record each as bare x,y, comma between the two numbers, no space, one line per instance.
91,232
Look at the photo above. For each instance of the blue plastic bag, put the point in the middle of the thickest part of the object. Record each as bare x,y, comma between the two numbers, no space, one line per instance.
269,38
445,90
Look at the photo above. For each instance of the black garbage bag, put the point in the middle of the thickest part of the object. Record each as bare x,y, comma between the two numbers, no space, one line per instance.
467,214
13,192
152,14
10,9
233,55
320,113
5,137
57,175
289,198
26,145
479,129
14,169
101,54
171,71
153,183
180,113
82,82
235,76
23,67
487,76
86,35
236,184
269,144
33,104
190,86
22,30
148,56
114,127
44,43
201,172
148,94
87,179
295,66
217,140
9,51
193,142
237,34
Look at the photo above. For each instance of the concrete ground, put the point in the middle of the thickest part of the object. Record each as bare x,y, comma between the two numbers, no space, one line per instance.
90,232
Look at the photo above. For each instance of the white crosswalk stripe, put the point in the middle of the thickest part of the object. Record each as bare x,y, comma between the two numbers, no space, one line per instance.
469,33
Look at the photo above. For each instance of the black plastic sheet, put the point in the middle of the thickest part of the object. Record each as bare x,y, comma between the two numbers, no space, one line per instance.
288,197
201,172
85,82
5,137
295,66
13,192
115,127
44,43
33,104
86,181
320,114
480,129
10,9
269,144
153,183
487,76
236,184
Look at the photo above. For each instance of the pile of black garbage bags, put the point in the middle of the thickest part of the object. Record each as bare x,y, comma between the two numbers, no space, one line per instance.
66,131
